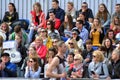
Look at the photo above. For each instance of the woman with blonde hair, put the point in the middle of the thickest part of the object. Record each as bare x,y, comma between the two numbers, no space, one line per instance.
97,69
33,69
76,68
96,33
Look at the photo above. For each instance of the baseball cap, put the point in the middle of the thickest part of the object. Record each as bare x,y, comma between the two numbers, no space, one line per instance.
5,54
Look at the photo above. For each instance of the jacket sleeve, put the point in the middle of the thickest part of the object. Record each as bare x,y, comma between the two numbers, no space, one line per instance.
42,20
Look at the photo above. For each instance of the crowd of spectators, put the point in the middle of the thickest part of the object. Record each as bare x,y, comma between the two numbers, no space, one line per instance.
62,44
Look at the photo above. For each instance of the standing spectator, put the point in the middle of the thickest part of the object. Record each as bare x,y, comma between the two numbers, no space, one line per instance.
10,15
4,30
71,10
114,66
117,11
104,16
59,12
58,61
33,69
96,33
38,20
88,12
83,31
97,69
7,69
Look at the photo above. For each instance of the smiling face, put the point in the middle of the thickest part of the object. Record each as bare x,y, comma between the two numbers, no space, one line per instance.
101,8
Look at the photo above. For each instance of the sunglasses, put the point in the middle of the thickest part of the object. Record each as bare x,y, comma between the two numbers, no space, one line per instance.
70,43
54,41
31,61
94,56
84,6
48,23
74,34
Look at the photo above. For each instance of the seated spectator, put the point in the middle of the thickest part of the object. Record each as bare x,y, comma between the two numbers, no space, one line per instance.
83,31
22,50
97,69
116,20
53,18
59,12
4,31
88,12
38,20
76,68
109,34
87,57
47,41
108,47
117,11
85,23
75,37
97,32
103,15
66,26
114,66
11,15
52,32
116,29
18,31
33,69
7,69
71,10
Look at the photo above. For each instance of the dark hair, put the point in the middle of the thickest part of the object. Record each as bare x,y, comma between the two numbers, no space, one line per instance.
52,25
17,29
55,1
71,53
85,3
102,48
52,11
54,50
88,41
109,30
80,21
13,6
117,5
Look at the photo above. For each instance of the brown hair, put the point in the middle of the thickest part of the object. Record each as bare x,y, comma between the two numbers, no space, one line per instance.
70,22
38,5
105,12
99,24
1,41
113,21
88,41
71,3
7,29
35,53
17,29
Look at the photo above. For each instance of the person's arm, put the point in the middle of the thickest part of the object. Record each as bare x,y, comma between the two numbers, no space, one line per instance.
27,73
42,20
5,19
107,23
51,67
105,71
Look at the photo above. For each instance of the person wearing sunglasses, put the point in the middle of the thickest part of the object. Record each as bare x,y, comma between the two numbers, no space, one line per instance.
33,69
88,12
97,69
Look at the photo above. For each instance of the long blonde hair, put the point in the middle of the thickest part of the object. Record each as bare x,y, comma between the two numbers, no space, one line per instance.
99,26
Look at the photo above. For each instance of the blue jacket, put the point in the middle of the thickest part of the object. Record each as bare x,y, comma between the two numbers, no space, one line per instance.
60,13
9,71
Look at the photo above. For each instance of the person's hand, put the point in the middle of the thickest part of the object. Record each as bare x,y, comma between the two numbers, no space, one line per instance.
3,65
29,64
63,75
87,60
95,76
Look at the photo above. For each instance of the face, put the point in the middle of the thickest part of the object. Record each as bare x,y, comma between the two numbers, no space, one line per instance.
51,16
96,21
71,44
70,59
74,35
32,62
54,42
10,7
18,39
89,46
107,42
76,60
31,51
51,54
79,26
48,25
101,8
69,7
94,57
63,48
19,33
84,6
36,8
116,21
4,27
54,5
114,56
5,59
110,35
117,8
38,42
43,33
82,17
